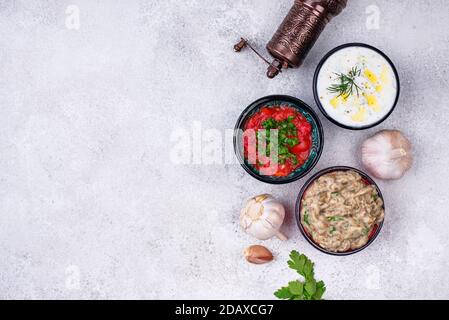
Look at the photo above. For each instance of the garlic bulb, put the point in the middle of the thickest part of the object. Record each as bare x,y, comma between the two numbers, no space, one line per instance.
387,155
262,217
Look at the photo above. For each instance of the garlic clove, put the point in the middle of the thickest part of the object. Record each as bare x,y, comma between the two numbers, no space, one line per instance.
258,254
387,155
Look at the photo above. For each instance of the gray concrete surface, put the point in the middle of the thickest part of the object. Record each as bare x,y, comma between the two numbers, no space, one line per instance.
91,203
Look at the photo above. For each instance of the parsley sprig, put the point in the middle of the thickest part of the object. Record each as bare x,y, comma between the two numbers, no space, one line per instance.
309,289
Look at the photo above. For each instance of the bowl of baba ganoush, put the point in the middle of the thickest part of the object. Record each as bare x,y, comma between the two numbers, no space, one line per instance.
340,210
356,86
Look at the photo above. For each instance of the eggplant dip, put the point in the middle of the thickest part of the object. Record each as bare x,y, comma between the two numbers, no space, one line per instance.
340,210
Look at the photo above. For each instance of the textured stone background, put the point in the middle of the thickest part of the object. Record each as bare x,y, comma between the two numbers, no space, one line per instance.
91,205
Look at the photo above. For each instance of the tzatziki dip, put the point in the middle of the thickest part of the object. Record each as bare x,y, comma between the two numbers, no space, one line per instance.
357,86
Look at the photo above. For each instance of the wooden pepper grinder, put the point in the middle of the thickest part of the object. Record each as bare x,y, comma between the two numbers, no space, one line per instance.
297,34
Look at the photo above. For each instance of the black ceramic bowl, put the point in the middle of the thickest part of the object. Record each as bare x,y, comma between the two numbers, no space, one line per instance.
315,86
301,107
376,229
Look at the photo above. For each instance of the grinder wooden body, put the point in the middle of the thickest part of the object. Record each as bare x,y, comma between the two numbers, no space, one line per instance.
299,31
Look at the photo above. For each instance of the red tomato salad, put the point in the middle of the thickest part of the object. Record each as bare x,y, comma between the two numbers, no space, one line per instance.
294,135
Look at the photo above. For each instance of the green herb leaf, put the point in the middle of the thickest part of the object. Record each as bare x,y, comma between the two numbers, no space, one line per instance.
287,138
283,293
306,218
283,150
292,142
269,124
295,161
296,261
310,289
365,231
335,218
308,269
346,83
320,289
301,264
296,287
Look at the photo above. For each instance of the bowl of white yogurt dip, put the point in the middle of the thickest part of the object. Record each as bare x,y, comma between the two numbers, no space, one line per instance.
356,86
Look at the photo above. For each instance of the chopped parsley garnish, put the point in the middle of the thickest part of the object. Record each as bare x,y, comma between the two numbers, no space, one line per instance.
335,194
335,218
287,138
306,218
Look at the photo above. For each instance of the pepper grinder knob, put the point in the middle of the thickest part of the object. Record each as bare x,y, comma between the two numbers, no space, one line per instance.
275,67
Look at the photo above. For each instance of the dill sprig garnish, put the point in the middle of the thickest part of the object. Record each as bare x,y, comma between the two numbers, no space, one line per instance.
347,84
